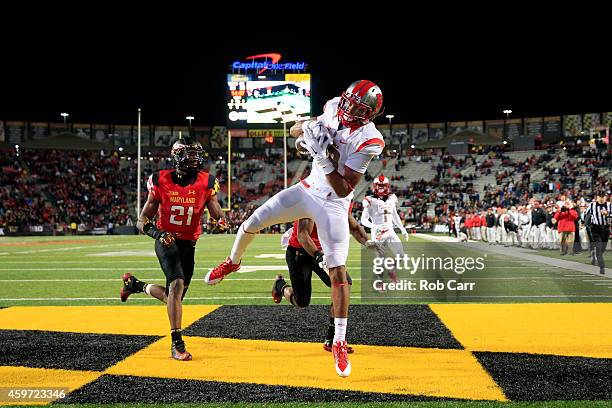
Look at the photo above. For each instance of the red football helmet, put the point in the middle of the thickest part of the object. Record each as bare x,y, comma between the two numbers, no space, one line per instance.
381,186
360,103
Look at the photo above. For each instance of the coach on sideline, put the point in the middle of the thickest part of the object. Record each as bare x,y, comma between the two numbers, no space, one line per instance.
599,212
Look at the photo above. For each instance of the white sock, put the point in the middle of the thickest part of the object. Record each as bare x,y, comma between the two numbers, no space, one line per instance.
242,242
147,289
340,328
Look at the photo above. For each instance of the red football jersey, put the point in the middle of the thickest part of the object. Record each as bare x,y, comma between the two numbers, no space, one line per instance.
180,208
295,243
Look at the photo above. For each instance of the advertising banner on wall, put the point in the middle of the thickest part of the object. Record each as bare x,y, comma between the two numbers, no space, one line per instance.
163,136
455,127
572,125
534,128
513,128
82,130
437,130
14,132
476,126
39,130
552,128
495,128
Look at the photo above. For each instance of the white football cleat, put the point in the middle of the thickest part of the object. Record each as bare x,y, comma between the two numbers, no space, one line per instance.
341,360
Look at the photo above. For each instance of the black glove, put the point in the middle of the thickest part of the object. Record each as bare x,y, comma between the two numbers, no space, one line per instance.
319,260
166,238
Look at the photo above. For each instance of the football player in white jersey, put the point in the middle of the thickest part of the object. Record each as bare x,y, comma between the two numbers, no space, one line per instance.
342,142
380,215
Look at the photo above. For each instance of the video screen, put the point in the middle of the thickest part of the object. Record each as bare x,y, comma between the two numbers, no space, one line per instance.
263,99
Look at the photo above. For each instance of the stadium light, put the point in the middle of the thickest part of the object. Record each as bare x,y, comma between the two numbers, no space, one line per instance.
64,115
507,112
190,118
390,117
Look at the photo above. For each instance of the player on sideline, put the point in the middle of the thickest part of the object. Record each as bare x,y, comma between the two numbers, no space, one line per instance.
178,197
380,215
345,127
304,256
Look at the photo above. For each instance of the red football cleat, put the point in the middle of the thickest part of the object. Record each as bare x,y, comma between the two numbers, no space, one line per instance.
393,276
327,346
127,284
217,274
340,352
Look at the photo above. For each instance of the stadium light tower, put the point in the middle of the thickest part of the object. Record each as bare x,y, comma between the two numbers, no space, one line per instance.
64,115
506,112
390,117
286,115
190,118
138,169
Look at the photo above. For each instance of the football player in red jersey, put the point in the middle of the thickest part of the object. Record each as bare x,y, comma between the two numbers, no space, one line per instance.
305,256
178,197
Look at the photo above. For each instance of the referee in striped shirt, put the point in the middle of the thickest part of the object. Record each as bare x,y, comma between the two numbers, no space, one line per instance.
599,214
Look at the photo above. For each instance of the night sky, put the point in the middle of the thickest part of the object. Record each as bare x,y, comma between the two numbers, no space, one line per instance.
453,78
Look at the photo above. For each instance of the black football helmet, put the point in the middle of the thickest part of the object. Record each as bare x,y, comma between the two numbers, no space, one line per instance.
187,155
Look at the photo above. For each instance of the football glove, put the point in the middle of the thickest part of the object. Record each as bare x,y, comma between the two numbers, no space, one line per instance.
320,261
316,141
221,224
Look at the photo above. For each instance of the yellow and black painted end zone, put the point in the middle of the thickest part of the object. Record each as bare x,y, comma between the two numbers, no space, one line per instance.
274,354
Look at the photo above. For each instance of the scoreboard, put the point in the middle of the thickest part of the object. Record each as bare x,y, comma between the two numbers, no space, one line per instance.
266,93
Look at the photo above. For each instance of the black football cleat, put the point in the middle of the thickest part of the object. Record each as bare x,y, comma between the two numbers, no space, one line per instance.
278,288
179,352
130,285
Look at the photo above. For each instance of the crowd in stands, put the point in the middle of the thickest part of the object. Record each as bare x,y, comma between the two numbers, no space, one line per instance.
59,188
451,191
96,189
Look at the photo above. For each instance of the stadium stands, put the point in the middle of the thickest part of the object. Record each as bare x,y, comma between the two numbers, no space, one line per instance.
52,189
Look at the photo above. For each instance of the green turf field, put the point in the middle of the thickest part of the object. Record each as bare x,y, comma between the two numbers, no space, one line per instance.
541,336
87,270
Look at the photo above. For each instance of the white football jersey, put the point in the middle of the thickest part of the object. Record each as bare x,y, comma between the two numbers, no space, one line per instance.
356,149
381,211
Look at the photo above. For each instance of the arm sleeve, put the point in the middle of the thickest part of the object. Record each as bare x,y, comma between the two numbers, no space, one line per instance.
398,222
153,185
365,215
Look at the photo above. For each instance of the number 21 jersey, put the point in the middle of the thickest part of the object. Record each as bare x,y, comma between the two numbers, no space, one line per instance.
181,204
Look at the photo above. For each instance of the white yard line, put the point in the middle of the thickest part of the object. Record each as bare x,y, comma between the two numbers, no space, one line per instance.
71,248
142,298
430,298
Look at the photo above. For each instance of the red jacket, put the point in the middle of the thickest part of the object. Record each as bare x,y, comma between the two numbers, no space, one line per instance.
565,220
